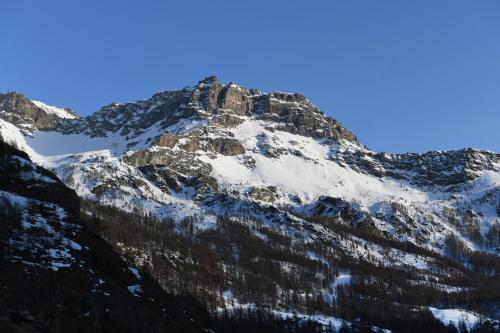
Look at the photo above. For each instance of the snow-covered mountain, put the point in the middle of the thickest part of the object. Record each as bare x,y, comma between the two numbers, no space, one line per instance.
186,147
271,161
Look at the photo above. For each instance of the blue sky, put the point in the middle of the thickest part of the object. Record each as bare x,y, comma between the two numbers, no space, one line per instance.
403,75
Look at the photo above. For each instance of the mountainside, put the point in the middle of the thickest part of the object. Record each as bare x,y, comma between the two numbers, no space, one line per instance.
258,199
56,275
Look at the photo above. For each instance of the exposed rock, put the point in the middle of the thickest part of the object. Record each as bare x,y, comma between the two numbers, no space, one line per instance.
206,187
269,147
208,101
190,143
342,211
19,175
166,140
248,161
163,177
174,169
133,119
236,99
299,116
179,161
329,206
225,146
207,93
18,110
227,120
266,194
448,169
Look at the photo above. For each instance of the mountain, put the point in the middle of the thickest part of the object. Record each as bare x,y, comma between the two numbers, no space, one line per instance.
255,199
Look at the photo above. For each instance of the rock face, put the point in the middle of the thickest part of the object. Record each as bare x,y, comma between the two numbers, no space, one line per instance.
448,169
20,111
59,276
295,114
236,99
182,162
225,146
23,177
166,140
209,103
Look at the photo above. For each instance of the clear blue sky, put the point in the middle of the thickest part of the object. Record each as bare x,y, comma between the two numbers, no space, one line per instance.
403,75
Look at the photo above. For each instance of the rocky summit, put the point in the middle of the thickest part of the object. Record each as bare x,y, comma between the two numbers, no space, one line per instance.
259,200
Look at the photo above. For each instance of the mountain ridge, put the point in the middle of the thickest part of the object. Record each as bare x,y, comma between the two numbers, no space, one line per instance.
232,121
209,80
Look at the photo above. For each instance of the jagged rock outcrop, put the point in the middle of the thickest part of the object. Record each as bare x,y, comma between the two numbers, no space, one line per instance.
22,112
225,146
295,114
166,140
164,177
209,102
448,169
236,100
179,161
264,194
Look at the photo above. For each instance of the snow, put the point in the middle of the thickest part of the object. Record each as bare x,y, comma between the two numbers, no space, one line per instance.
185,126
135,272
410,259
59,112
53,143
74,245
14,199
231,304
13,136
61,258
31,175
342,280
326,321
135,290
50,143
308,177
303,173
456,316
55,256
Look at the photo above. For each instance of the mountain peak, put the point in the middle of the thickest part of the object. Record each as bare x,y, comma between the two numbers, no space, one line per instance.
13,99
209,80
29,115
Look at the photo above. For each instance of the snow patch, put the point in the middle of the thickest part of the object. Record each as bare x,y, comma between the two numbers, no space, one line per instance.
455,316
135,290
57,111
